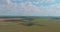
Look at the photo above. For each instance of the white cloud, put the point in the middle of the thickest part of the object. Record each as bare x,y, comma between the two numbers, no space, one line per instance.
44,1
28,8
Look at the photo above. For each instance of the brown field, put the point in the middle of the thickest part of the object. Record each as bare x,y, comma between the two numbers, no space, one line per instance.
11,19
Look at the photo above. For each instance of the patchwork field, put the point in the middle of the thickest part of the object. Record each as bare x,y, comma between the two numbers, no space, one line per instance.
41,25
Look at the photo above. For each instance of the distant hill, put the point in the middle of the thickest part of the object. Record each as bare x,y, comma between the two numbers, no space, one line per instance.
50,17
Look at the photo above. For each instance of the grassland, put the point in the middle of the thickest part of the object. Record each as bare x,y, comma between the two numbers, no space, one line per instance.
41,25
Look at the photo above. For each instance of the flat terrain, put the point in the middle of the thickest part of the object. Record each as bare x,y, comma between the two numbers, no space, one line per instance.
42,25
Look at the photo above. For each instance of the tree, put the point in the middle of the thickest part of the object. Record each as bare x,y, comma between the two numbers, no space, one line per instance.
29,23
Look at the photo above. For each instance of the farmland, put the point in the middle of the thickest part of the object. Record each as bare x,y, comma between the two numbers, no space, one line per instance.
40,25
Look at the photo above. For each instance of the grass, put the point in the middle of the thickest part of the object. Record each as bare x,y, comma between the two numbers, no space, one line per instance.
41,25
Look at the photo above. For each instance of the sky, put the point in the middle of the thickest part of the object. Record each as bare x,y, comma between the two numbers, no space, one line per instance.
29,7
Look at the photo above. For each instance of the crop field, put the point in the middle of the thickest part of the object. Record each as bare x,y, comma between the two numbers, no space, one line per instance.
40,25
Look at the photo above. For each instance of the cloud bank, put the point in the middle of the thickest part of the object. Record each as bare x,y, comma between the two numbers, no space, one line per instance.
29,8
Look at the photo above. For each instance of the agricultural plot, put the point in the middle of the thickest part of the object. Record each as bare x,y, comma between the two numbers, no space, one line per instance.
36,25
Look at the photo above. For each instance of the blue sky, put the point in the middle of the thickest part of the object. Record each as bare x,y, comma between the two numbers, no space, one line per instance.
30,7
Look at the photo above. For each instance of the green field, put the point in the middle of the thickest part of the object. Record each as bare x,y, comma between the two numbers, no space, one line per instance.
41,25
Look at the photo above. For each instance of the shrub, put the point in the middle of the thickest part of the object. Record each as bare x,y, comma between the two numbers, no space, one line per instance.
29,24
